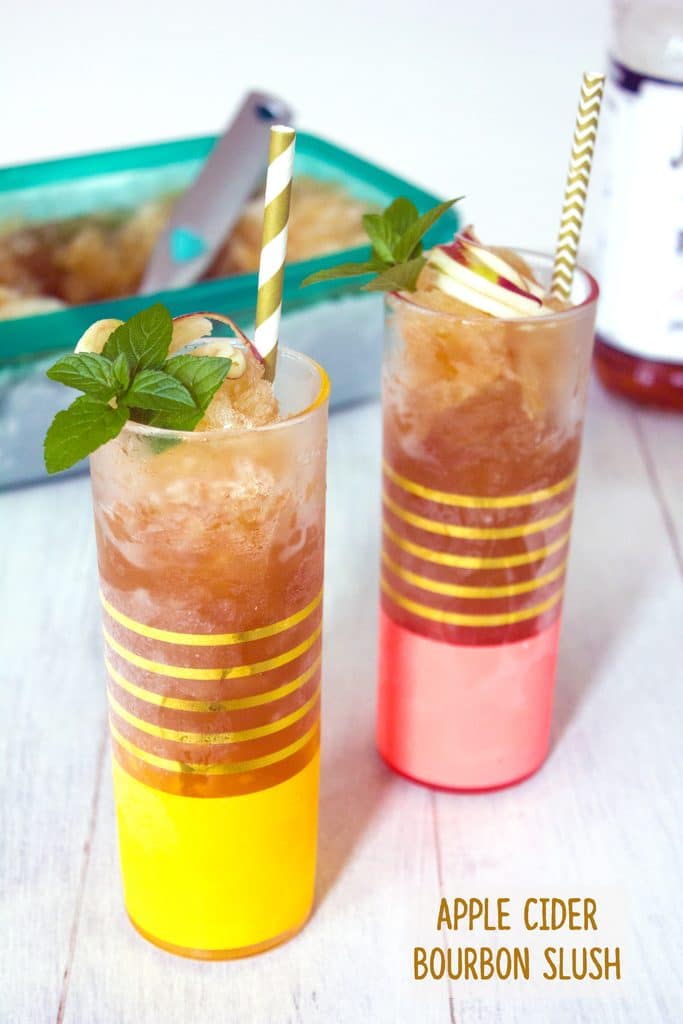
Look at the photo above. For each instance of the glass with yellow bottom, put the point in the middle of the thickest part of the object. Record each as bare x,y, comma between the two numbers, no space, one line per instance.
210,550
223,877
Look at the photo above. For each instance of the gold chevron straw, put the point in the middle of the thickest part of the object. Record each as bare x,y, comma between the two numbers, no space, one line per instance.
274,244
578,177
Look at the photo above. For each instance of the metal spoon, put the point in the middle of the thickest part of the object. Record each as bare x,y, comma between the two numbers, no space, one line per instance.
204,216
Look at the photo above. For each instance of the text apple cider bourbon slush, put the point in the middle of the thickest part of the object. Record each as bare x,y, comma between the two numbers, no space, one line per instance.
210,550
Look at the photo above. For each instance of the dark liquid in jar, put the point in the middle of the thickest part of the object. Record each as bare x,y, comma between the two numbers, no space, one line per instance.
646,381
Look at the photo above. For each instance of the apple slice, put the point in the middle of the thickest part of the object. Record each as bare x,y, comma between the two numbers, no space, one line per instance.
191,327
188,328
222,348
487,290
497,263
198,326
477,300
465,255
95,337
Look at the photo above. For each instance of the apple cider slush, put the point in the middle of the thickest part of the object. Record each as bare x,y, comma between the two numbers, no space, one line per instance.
484,387
211,559
208,488
210,551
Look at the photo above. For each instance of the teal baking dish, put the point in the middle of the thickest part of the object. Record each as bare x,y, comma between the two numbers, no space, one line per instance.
322,320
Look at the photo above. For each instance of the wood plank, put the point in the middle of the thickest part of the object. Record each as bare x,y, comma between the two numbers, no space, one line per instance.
51,697
602,813
377,858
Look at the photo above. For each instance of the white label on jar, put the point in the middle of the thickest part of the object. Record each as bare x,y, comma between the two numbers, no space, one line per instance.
640,251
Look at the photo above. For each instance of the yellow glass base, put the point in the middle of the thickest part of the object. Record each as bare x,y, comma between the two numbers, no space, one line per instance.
218,954
218,877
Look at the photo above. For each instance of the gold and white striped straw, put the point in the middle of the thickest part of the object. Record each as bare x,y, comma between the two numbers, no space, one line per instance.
274,244
578,177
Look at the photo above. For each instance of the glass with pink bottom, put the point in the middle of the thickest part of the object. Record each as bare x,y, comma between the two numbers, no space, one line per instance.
482,431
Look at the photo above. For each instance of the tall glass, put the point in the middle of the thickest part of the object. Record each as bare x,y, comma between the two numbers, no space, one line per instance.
482,431
210,548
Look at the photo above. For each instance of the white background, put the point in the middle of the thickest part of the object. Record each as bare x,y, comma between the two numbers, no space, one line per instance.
462,96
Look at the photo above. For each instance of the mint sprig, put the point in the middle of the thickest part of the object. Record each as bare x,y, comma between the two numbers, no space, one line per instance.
143,340
402,277
87,372
158,391
131,378
396,239
79,430
201,377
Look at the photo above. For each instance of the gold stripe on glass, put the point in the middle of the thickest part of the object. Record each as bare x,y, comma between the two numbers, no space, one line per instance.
225,768
162,700
425,611
457,590
474,561
477,532
471,500
211,639
236,736
232,672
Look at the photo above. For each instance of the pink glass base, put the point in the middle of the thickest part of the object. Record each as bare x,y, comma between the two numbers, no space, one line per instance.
464,717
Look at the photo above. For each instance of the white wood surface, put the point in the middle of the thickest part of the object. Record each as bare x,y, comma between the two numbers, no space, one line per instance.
603,813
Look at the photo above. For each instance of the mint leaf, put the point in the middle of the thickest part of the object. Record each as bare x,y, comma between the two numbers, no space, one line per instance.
187,420
202,376
87,372
396,237
381,234
79,430
157,390
372,266
401,278
144,339
132,368
400,215
386,229
411,238
121,371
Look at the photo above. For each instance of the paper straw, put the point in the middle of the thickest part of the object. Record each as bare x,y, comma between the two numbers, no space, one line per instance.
578,177
274,244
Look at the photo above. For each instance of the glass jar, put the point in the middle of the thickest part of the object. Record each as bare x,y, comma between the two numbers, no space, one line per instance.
639,348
